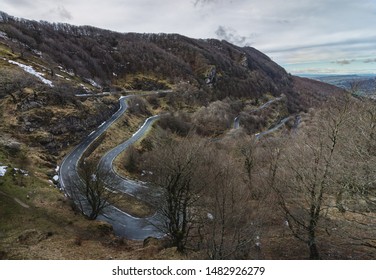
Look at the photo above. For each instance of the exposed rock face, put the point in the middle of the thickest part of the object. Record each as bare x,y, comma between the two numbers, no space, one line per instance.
11,145
212,75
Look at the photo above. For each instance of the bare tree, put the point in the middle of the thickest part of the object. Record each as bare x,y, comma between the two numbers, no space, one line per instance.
306,183
251,155
12,82
174,166
90,192
226,226
356,198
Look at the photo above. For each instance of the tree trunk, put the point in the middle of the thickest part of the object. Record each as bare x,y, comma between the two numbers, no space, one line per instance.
313,252
180,246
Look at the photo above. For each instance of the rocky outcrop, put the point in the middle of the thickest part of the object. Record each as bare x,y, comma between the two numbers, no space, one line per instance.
11,145
211,77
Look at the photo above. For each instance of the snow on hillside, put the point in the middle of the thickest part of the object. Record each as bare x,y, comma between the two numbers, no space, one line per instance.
3,170
31,71
3,35
93,83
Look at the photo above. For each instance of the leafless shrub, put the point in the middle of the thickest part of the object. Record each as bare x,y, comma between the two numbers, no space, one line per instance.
138,106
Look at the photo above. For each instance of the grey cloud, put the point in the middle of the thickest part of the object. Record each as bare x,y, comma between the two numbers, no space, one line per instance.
230,35
19,2
284,21
60,13
369,60
343,62
64,13
203,2
363,43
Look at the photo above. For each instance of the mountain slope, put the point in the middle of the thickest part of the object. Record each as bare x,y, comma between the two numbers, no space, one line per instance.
149,61
45,65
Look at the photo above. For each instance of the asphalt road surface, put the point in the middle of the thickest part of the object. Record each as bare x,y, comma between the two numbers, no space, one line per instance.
123,223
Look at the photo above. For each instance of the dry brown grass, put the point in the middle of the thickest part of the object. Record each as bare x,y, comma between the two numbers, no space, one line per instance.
133,206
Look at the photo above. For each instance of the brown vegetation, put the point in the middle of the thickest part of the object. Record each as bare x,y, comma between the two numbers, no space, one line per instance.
250,197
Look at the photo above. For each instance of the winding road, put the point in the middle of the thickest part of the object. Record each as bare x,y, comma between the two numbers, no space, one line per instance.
123,223
106,163
274,128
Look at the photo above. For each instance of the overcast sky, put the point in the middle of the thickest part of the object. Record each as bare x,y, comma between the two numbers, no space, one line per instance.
304,36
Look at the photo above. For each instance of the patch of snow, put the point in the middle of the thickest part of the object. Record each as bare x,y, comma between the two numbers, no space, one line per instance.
60,76
210,216
57,168
69,72
56,178
93,83
134,134
23,172
258,243
82,95
3,34
93,177
84,87
3,170
93,94
101,124
38,53
30,70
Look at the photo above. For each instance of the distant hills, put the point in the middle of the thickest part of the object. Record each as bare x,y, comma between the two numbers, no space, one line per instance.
357,84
